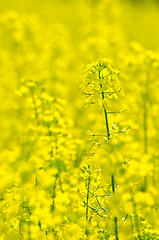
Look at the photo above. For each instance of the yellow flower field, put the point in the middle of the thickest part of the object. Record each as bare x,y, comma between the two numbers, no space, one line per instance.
79,120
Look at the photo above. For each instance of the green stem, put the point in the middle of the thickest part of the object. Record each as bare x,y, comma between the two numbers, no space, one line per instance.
105,112
60,182
106,117
87,201
20,227
115,218
54,193
88,186
112,176
116,228
39,224
113,183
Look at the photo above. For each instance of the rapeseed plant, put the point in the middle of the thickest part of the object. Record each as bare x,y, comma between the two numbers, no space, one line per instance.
101,80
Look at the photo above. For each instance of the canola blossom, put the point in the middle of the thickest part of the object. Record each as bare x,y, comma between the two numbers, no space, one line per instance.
79,121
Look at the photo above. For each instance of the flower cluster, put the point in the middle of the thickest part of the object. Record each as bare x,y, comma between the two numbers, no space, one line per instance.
100,79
